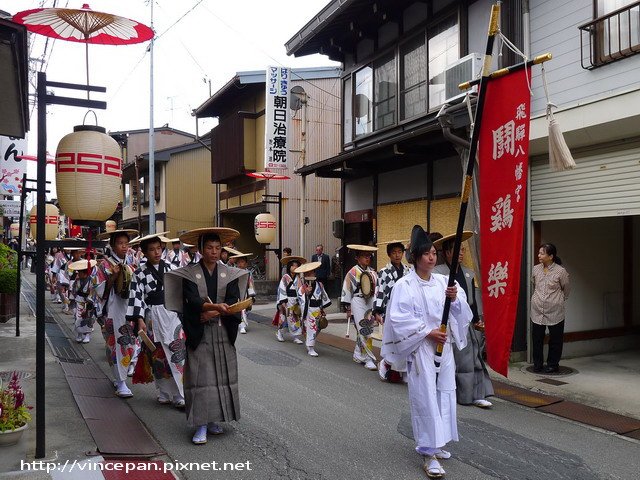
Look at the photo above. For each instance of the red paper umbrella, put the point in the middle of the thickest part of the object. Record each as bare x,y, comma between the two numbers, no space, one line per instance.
268,175
84,26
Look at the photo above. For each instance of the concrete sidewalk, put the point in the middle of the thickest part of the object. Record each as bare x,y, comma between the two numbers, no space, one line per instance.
609,382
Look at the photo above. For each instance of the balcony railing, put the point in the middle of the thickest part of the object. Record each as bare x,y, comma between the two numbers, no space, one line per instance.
611,37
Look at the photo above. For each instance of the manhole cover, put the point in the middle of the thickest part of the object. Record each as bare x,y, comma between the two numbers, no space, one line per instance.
6,376
276,358
562,371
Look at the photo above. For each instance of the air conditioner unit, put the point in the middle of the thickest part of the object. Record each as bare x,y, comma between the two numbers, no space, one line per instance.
464,70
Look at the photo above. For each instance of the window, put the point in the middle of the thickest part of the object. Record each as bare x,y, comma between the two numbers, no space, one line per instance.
385,105
413,80
363,107
619,32
443,51
403,82
347,121
614,34
127,195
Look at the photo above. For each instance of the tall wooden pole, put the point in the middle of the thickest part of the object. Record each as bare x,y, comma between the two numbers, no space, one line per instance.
468,179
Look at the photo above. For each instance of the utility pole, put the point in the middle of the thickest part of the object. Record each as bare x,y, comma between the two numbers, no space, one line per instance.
152,163
303,178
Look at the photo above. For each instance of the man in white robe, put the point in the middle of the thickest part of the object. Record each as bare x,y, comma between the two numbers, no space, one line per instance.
412,333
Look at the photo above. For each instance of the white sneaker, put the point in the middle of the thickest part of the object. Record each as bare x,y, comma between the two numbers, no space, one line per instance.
279,336
383,368
79,337
200,437
123,391
86,338
163,398
312,352
297,341
243,329
482,403
369,365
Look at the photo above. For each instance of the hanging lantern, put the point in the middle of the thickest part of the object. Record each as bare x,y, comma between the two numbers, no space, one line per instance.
14,230
265,228
110,225
88,174
51,221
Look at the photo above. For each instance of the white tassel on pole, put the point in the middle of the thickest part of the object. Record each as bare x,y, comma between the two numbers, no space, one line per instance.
560,157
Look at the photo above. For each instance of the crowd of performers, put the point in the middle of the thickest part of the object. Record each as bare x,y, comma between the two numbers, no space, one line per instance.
172,316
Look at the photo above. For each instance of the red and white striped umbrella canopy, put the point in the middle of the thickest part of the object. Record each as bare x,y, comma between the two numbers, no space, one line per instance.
84,26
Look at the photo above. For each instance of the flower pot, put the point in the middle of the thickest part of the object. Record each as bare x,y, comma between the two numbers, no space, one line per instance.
11,437
7,306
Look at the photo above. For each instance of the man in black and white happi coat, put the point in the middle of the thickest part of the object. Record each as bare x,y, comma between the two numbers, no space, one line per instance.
387,278
146,302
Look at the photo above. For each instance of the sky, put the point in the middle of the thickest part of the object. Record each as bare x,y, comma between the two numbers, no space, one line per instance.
197,42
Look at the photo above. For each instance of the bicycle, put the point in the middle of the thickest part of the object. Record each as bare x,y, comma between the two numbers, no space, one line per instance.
256,267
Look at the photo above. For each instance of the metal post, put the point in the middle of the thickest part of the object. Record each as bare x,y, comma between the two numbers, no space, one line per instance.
280,226
23,197
40,259
303,178
152,163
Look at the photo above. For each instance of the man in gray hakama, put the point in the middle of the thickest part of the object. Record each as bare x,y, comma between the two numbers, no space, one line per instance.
473,383
211,370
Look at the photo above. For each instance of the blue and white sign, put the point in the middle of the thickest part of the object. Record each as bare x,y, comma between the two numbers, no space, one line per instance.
276,127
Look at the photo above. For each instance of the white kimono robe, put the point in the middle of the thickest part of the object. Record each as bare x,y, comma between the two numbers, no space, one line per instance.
415,308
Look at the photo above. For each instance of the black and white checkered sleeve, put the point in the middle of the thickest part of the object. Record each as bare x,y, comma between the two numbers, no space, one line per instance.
136,306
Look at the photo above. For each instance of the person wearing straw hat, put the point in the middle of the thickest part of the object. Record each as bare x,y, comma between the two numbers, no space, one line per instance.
83,293
76,254
387,278
61,278
288,308
313,299
227,254
146,302
412,333
358,303
240,261
119,334
194,254
203,293
176,256
473,383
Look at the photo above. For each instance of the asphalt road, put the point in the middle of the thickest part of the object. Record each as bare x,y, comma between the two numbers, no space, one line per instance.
327,417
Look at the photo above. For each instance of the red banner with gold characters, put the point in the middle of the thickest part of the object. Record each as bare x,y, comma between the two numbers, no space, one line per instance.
503,158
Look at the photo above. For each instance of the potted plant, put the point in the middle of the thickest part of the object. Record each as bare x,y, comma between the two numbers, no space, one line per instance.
14,412
8,282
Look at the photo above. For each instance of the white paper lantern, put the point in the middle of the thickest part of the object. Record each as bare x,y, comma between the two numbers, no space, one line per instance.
88,174
265,226
14,230
51,221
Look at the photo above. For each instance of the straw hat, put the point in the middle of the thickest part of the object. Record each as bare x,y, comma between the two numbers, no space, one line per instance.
308,267
293,258
232,251
225,234
81,265
390,243
362,248
466,235
171,240
138,240
241,255
107,235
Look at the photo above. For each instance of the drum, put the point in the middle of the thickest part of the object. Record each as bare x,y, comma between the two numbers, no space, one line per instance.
322,322
367,284
123,281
